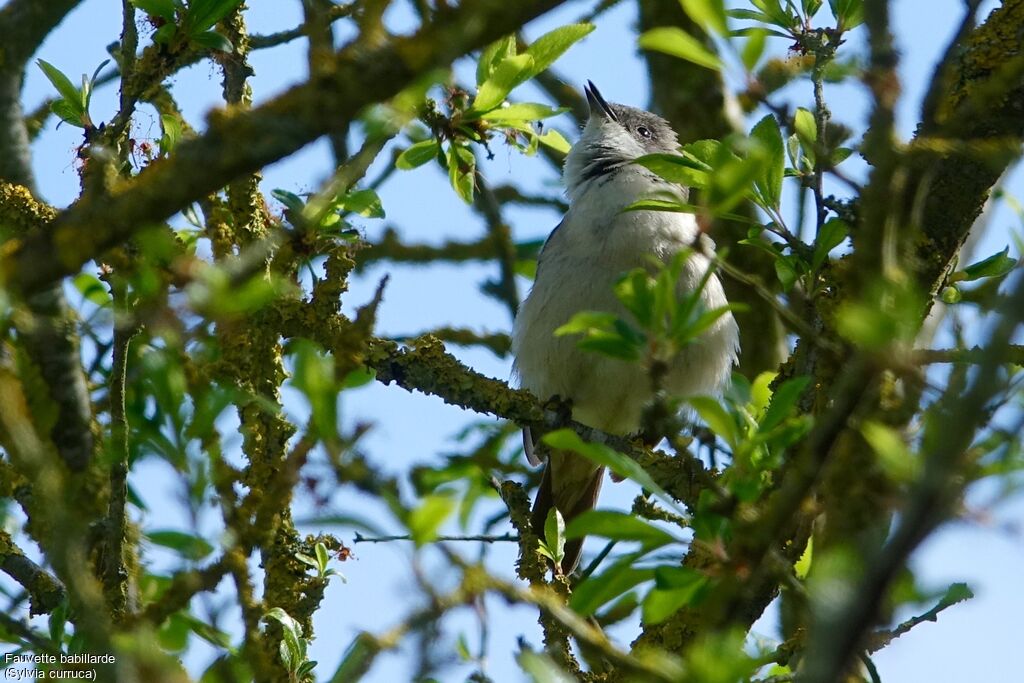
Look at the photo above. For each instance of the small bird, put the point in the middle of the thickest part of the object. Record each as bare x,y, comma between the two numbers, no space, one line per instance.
595,244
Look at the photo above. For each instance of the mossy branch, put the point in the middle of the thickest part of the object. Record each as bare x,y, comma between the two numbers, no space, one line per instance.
354,78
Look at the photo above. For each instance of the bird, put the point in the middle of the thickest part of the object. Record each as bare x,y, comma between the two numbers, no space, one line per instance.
591,248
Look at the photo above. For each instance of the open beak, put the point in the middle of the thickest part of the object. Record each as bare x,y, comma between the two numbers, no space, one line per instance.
598,105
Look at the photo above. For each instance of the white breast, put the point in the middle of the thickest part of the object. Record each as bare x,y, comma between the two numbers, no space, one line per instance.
578,268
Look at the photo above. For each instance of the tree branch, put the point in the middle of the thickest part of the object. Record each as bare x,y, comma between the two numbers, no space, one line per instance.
354,78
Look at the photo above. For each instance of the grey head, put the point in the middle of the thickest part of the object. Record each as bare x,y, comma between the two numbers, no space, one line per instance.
613,137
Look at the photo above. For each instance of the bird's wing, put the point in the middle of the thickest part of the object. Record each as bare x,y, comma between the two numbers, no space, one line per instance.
529,441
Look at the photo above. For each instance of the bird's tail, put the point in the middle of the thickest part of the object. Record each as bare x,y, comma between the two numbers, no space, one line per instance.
570,483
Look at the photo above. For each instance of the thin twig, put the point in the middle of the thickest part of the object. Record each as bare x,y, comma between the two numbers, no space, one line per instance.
483,538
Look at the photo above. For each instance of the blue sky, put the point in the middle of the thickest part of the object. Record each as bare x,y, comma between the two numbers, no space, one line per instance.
976,641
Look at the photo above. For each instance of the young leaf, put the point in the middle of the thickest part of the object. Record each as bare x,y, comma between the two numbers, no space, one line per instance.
492,55
71,94
618,526
708,14
185,544
417,154
462,171
213,41
365,203
767,133
849,13
523,111
171,125
995,265
675,168
602,588
203,14
157,8
806,128
716,417
753,49
830,236
569,440
509,73
674,588
676,42
781,405
426,520
893,455
553,44
554,535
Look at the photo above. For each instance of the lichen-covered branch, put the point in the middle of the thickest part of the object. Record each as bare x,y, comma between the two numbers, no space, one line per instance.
240,142
43,589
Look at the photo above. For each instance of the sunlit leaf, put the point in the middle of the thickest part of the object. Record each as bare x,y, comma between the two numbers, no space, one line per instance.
676,42
618,526
417,154
426,520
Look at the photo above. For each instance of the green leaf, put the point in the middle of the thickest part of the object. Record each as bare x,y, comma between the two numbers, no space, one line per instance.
417,154
682,207
786,273
187,545
509,73
462,171
675,169
356,660
553,44
71,94
292,650
554,535
555,140
830,236
521,111
202,14
291,201
157,8
894,457
492,55
90,287
425,521
753,49
849,13
602,588
541,669
676,42
717,418
810,7
708,14
323,558
585,322
366,203
67,113
806,128
674,588
767,133
601,454
213,41
803,565
783,401
604,333
163,35
618,526
171,126
996,265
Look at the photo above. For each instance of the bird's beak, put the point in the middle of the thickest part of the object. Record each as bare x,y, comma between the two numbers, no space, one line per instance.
598,105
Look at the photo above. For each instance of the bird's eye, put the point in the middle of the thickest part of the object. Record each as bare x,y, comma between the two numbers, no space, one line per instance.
643,132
